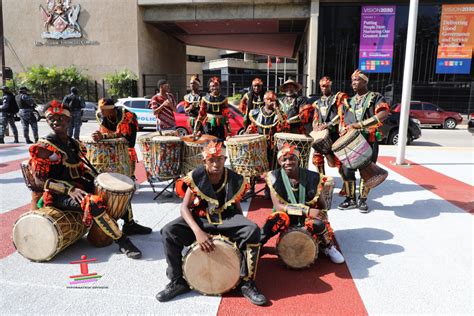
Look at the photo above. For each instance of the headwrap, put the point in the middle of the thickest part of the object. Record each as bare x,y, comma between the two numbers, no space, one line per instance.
359,74
270,95
326,81
57,108
288,150
106,104
257,82
195,79
212,149
216,80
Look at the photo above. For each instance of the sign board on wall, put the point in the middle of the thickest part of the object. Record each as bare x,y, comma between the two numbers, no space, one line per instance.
377,25
456,39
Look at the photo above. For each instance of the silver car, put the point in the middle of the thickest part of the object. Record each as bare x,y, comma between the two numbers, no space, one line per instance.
88,113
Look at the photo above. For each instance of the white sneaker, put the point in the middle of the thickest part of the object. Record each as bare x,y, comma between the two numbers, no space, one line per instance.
333,254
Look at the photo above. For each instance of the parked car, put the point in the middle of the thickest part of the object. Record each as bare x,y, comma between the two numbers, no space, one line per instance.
470,124
430,114
391,125
145,116
87,114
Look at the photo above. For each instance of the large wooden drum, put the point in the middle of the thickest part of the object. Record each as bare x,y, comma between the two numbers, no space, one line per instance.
144,141
41,234
108,155
212,273
248,154
297,248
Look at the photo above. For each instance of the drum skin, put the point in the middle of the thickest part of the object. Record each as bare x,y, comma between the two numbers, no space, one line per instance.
41,234
212,273
297,248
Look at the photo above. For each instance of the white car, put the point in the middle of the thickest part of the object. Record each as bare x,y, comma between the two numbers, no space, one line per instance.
139,106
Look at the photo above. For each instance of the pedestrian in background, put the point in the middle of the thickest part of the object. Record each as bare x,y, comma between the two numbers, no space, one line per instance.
27,105
7,114
76,104
163,105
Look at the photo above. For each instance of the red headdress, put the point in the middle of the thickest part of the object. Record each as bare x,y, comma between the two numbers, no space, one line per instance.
213,149
215,80
359,74
57,108
195,78
288,150
270,95
325,81
257,82
106,104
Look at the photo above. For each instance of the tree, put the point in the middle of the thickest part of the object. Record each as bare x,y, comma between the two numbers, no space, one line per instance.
122,84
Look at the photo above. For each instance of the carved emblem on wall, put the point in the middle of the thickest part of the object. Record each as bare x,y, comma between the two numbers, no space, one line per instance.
60,19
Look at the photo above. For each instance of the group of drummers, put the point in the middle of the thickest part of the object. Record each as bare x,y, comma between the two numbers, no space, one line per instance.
86,186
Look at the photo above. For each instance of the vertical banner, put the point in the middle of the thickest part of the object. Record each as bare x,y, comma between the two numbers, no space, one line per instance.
456,39
377,25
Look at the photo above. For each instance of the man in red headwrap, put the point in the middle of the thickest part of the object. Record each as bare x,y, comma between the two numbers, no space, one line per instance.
252,100
211,205
56,162
214,112
365,112
295,194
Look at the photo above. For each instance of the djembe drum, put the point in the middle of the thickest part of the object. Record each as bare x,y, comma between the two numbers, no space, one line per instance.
166,157
302,142
192,151
116,190
108,155
297,248
212,273
248,154
36,189
41,234
354,152
144,141
321,141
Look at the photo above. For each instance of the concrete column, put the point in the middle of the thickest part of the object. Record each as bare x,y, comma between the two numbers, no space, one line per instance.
312,40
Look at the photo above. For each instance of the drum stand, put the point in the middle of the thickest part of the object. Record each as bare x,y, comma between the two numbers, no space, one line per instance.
253,181
158,194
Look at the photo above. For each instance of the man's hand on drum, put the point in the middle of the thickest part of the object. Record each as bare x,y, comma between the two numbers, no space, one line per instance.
205,241
348,127
320,127
96,136
314,213
77,194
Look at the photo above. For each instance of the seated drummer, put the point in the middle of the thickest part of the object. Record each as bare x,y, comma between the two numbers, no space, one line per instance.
210,207
68,183
288,183
118,122
267,120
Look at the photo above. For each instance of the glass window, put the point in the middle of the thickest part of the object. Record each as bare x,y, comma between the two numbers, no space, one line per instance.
429,107
415,106
141,104
126,103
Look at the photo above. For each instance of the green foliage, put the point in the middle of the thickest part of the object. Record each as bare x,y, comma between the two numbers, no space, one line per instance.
121,84
46,83
235,99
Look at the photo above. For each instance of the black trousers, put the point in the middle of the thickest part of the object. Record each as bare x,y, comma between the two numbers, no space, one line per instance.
349,174
177,234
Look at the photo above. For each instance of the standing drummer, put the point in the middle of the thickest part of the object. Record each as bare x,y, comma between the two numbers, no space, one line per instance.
295,192
211,206
365,112
295,107
326,116
252,100
192,101
68,183
267,120
214,112
118,122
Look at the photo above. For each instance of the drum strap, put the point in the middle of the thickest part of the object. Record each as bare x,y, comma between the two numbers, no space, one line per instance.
301,187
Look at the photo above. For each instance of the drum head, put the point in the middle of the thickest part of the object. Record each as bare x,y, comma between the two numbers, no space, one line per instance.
319,135
291,136
115,182
35,237
212,273
342,141
244,138
297,249
189,139
88,140
165,139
